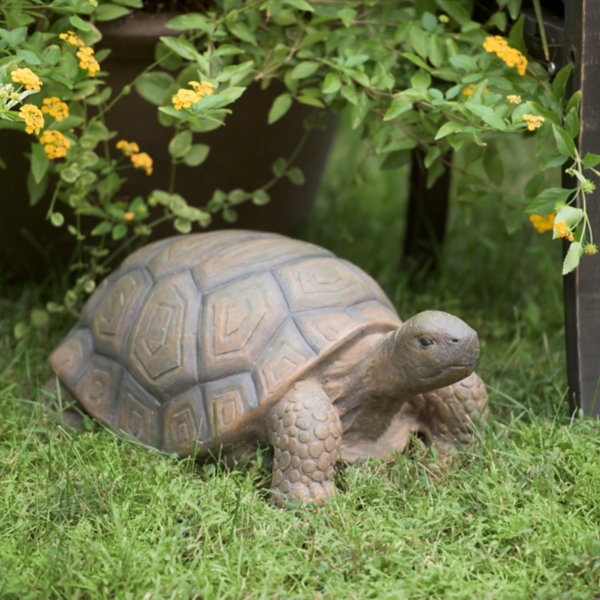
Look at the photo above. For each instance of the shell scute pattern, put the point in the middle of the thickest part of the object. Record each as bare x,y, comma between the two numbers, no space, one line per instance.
193,333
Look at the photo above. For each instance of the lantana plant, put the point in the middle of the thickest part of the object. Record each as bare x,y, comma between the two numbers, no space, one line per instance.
413,74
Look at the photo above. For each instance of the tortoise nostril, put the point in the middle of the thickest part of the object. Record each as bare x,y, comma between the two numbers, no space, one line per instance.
455,340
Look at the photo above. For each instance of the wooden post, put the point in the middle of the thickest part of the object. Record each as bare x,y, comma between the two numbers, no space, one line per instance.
582,288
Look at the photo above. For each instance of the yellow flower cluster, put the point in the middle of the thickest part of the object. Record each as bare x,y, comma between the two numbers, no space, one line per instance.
87,60
55,108
140,160
496,44
128,148
71,38
185,98
533,121
562,231
28,78
33,117
85,54
514,99
543,223
55,144
591,249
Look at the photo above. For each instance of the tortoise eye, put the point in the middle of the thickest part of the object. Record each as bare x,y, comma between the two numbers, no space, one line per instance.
425,341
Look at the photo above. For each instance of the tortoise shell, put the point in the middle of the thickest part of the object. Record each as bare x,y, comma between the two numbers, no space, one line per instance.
192,335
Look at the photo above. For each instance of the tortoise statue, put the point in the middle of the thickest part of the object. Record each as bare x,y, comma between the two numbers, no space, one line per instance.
221,342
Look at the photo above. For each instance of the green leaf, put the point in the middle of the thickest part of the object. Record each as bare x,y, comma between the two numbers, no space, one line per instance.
109,12
304,69
553,159
260,198
398,106
280,106
242,31
196,155
545,203
574,254
181,47
514,220
154,87
331,84
347,16
447,129
564,143
462,61
419,41
39,318
36,190
79,23
455,10
39,162
279,167
182,225
310,101
436,51
534,186
514,7
300,5
515,37
572,123
180,145
188,22
416,60
296,176
559,85
570,215
574,101
591,160
230,215
237,196
360,110
57,219
119,231
20,330
102,228
421,80
395,160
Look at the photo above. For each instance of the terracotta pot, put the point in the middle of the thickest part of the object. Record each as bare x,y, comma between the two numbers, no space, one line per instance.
241,156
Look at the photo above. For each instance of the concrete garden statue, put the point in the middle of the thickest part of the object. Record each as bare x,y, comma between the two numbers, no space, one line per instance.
234,339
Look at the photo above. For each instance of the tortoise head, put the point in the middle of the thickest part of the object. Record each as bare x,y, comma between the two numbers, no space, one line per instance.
434,349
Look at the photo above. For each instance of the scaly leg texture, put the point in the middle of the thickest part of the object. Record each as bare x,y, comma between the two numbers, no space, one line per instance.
306,434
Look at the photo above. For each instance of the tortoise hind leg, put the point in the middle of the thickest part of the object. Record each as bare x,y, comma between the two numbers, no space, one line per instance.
64,403
305,431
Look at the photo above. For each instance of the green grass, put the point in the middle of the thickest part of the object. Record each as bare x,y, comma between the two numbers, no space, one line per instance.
94,516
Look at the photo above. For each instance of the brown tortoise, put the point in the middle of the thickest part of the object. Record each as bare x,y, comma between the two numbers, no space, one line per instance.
231,339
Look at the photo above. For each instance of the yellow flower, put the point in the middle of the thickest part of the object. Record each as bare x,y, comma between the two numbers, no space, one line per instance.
543,223
71,38
185,98
34,119
590,249
142,161
533,121
129,216
55,108
511,56
562,231
203,89
514,99
469,89
55,144
128,148
87,60
28,78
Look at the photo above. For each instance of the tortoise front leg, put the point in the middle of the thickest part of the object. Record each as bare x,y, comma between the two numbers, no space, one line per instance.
306,434
447,417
